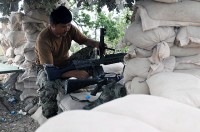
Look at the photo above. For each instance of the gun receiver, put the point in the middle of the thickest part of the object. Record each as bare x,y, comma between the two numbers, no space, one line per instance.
54,73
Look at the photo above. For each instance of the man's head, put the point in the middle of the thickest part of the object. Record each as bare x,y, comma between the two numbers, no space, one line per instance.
60,20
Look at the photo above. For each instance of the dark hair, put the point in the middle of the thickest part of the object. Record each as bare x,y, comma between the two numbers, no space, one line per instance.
60,15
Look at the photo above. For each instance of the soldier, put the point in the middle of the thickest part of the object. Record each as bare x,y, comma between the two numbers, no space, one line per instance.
52,47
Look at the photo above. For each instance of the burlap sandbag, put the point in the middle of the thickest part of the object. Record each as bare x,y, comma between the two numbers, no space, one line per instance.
156,14
183,51
188,36
148,39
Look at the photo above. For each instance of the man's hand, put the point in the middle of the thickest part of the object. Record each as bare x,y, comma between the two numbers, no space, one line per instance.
80,74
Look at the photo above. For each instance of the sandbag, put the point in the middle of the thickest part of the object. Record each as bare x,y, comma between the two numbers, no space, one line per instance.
93,121
134,52
19,50
195,59
188,36
181,87
142,67
30,55
16,38
183,51
148,39
28,92
10,52
116,68
156,14
168,1
164,114
186,66
195,72
139,86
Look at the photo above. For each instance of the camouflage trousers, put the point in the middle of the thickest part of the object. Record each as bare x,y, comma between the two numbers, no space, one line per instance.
49,89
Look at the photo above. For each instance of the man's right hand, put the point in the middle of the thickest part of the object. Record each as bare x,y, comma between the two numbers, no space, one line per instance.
79,74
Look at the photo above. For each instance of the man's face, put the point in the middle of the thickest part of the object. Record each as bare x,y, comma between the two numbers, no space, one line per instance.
60,29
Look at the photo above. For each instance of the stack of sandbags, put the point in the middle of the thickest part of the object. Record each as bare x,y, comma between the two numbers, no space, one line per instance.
16,40
163,38
3,36
33,22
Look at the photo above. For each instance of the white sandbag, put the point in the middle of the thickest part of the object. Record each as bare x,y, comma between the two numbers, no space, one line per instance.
30,84
31,37
16,38
160,52
134,52
139,86
188,36
19,59
195,72
186,66
29,46
195,59
183,51
38,116
168,1
19,50
26,64
128,87
116,68
28,92
29,28
142,67
16,21
30,55
136,67
10,52
181,87
93,121
28,74
19,86
156,14
164,114
148,39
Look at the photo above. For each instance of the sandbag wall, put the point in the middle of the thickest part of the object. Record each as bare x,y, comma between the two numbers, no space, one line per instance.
164,38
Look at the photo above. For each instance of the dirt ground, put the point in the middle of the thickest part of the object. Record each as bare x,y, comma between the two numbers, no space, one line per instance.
12,115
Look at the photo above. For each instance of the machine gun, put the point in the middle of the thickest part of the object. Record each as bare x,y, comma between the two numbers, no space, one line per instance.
98,77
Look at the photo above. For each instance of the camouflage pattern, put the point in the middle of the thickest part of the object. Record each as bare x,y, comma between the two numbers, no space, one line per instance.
110,92
49,89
